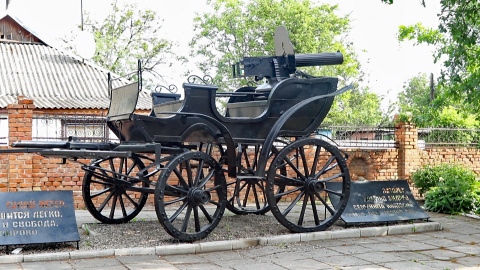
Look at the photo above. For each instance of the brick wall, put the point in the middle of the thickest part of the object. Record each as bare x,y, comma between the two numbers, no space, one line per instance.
30,172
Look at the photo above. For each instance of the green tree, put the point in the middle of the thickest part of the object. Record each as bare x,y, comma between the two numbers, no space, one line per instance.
237,28
427,108
356,107
416,101
126,35
457,41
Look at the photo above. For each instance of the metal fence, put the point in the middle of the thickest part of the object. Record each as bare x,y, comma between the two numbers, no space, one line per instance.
83,127
364,137
448,137
93,128
384,137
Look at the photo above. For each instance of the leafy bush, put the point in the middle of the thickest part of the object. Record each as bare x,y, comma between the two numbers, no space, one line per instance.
429,177
448,188
450,199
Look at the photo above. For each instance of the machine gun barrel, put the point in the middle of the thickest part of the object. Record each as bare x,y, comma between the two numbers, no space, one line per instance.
318,59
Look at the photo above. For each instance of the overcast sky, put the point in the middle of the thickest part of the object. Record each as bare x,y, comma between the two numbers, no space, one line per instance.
387,63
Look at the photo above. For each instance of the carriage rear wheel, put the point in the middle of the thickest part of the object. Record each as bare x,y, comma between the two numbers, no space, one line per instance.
305,204
112,190
190,196
247,192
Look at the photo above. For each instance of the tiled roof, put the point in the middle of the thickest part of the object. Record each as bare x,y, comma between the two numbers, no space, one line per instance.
54,79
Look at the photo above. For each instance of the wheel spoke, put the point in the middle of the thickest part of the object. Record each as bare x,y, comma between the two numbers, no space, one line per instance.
207,215
290,207
247,160
100,183
281,194
304,161
188,167
122,205
202,183
196,218
334,192
179,210
120,167
295,168
332,177
255,159
285,180
187,218
247,193
174,190
332,211
314,210
199,174
114,204
302,212
134,203
327,167
100,209
181,179
101,192
130,169
315,160
255,196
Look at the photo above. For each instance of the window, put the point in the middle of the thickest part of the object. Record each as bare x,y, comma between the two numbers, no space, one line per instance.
3,130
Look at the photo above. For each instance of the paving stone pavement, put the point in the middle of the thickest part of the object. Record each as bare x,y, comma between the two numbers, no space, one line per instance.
457,246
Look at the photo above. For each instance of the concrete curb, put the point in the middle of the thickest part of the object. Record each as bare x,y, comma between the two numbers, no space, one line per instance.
195,248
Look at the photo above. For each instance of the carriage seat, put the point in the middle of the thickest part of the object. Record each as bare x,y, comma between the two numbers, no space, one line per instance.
249,109
170,106
165,102
252,108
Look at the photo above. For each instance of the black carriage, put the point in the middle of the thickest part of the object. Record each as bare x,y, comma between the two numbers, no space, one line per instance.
258,156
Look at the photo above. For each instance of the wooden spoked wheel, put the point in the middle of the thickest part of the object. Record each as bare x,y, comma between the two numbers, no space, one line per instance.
305,203
247,193
190,196
112,190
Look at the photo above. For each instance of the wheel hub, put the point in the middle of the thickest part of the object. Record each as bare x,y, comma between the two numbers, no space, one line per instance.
314,186
199,196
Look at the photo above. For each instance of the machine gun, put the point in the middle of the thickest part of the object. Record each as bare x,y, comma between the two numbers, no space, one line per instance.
285,63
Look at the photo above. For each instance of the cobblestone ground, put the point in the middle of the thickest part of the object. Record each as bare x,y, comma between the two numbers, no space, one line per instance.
455,247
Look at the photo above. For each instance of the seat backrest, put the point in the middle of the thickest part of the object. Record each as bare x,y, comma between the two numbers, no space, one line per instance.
123,101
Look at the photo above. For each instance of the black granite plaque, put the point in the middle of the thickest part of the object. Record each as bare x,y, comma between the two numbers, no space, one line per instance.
37,217
379,201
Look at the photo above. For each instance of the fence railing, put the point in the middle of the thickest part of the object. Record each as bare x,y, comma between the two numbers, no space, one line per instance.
83,127
448,137
365,137
93,128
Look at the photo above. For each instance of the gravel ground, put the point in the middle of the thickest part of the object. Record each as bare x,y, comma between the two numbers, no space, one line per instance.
148,233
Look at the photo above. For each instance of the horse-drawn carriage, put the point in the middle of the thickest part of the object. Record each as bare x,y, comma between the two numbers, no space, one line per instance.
258,156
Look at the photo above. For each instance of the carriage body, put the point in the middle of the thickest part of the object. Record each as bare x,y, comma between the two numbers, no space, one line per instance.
193,120
181,151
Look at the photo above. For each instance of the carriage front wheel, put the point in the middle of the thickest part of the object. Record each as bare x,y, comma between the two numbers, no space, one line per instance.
112,190
305,204
190,196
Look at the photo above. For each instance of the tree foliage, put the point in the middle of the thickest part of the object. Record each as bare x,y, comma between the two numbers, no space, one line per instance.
126,35
239,28
356,107
427,108
457,40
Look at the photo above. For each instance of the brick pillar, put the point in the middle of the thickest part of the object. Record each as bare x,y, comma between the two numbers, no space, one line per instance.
19,171
406,136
